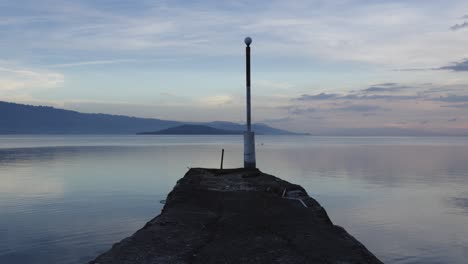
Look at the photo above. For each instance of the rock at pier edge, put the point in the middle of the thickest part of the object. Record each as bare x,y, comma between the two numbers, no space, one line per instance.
238,216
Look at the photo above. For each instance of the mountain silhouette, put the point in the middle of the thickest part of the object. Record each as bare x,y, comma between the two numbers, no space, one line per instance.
192,130
28,119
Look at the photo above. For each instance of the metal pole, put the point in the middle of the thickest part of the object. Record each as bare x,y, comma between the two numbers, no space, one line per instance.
247,84
222,158
249,135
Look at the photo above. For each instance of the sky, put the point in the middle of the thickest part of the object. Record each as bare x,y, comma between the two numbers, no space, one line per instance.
323,67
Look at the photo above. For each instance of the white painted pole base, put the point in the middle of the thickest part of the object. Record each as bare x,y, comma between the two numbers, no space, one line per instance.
249,150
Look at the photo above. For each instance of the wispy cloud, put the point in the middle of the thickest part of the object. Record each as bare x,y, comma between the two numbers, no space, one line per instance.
14,79
296,110
325,96
216,100
385,87
320,96
452,98
414,106
457,66
272,85
459,26
462,106
360,108
87,63
300,28
301,111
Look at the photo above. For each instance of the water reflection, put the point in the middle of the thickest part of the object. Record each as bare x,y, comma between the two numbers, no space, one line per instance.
68,198
376,164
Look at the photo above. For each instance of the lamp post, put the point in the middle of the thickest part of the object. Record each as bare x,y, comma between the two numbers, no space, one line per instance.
249,136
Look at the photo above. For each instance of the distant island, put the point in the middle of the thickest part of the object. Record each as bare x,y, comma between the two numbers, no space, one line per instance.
29,119
192,130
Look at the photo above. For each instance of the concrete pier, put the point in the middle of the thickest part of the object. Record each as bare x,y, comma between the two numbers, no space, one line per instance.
238,216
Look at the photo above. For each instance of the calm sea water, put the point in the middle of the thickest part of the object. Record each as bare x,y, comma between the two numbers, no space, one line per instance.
65,199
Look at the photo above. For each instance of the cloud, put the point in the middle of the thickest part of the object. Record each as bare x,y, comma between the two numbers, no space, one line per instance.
387,84
452,98
19,79
385,87
452,120
414,69
301,111
383,33
87,63
360,108
426,106
271,85
325,96
216,100
461,203
463,106
424,122
457,66
459,26
382,97
107,62
388,91
320,96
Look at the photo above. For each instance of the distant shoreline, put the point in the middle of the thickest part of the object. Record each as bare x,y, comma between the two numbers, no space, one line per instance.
29,119
192,130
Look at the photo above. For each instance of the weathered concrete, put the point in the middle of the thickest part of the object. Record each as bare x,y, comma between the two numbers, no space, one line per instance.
238,216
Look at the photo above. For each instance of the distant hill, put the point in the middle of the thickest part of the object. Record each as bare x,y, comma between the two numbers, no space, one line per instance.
259,128
192,130
28,119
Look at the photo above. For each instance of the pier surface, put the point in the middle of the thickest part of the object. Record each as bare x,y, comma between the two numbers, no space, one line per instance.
238,216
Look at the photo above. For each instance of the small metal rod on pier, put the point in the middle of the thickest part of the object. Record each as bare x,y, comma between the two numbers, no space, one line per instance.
222,158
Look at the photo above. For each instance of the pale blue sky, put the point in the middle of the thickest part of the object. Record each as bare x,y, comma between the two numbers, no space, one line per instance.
184,60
